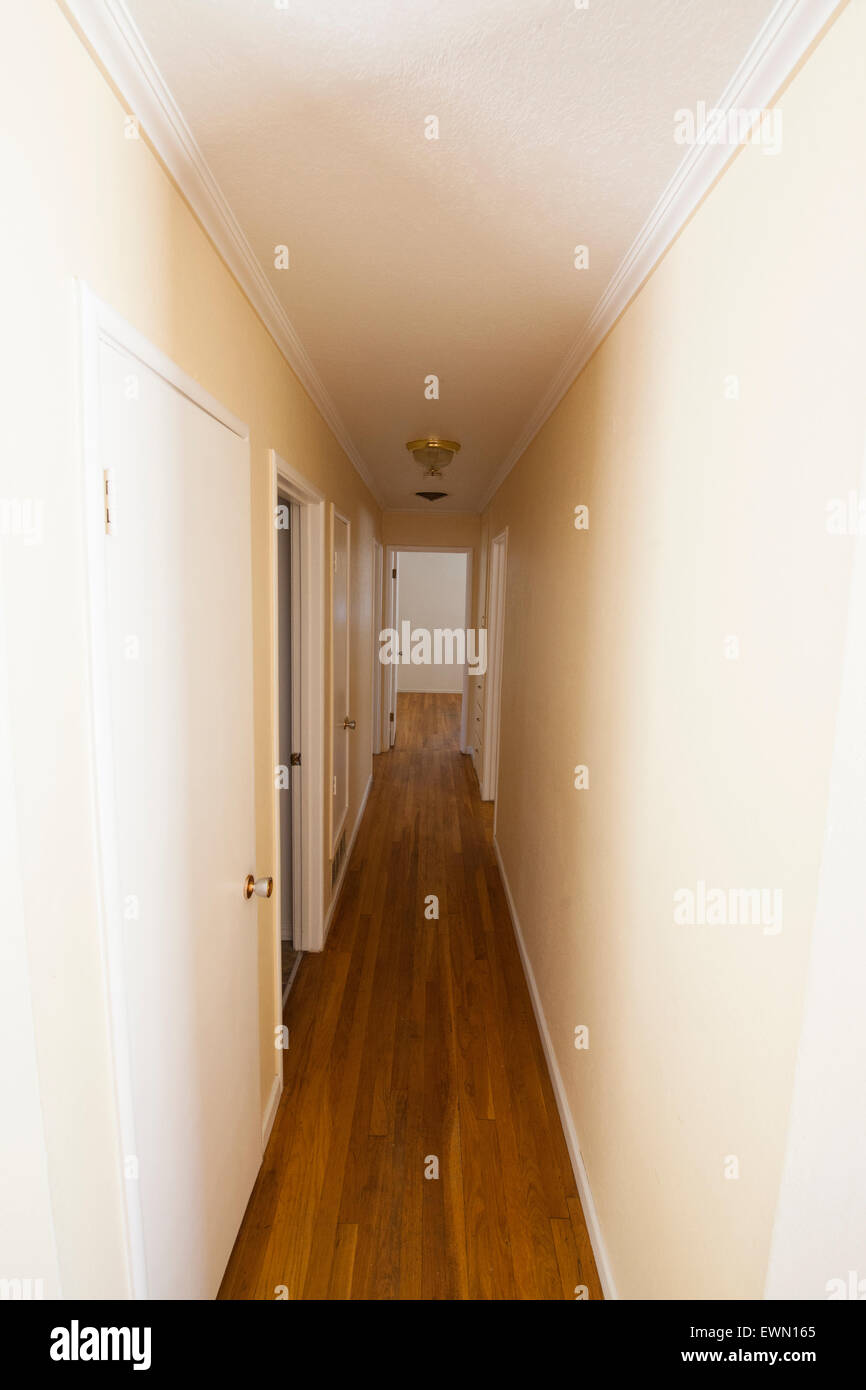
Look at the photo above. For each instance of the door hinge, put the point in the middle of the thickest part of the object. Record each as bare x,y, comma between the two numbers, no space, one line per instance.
295,760
335,786
393,574
391,717
108,499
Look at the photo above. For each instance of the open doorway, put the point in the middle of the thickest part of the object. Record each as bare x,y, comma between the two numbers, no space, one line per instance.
288,617
429,592
299,584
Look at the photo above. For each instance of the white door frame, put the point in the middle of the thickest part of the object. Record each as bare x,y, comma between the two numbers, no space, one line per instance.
337,826
101,324
391,552
378,745
497,570
308,932
390,729
293,788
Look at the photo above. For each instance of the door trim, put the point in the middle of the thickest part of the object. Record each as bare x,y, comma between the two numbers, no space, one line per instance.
390,554
377,742
287,480
337,826
390,706
99,324
497,570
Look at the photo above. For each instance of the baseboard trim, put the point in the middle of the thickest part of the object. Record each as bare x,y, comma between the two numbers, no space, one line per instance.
599,1249
272,1107
332,907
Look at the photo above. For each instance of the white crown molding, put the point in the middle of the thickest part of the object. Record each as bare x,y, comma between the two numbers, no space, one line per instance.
789,29
112,34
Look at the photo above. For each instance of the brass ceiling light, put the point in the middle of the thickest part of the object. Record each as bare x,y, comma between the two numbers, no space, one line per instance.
433,454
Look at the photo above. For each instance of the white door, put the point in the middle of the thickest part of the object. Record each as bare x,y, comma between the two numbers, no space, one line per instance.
178,618
340,679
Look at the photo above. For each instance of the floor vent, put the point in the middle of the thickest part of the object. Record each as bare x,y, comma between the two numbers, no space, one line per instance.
337,861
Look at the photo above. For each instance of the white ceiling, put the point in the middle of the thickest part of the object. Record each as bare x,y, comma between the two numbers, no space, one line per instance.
412,256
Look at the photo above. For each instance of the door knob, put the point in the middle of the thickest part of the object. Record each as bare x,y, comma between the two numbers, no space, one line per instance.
262,887
348,723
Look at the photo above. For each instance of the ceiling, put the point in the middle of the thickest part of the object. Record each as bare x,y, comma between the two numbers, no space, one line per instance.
412,257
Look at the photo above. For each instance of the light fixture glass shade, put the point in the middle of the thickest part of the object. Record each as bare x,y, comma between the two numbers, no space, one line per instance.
433,454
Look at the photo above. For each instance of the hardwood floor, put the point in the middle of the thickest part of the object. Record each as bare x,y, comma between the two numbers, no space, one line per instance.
413,1040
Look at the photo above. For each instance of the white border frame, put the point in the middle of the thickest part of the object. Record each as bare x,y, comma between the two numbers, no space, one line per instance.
497,580
101,324
391,552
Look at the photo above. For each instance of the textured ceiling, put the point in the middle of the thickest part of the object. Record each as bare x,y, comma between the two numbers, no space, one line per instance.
453,257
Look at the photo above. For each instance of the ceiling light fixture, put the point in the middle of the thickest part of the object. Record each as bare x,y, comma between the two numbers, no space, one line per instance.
433,454
431,496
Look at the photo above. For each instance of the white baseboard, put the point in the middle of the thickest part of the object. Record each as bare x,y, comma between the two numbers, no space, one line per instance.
335,898
599,1249
272,1107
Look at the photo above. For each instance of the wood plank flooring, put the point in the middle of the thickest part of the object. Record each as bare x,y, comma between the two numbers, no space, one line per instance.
414,1049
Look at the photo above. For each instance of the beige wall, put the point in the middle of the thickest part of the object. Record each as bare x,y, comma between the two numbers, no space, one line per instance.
81,200
707,520
428,528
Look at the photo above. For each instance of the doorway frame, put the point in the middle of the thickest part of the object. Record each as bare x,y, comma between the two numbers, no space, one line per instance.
337,826
293,787
100,323
390,554
308,933
377,741
497,570
389,707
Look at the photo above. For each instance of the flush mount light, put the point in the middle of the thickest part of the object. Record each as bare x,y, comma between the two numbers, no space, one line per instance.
431,496
433,454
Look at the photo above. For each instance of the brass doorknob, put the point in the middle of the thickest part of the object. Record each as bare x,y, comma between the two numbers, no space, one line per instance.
262,887
348,723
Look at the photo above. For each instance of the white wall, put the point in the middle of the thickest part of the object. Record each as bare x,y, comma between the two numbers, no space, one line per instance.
820,1230
27,1247
431,594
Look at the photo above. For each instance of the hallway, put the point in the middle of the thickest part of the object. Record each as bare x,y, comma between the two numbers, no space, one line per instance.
412,1039
432,534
